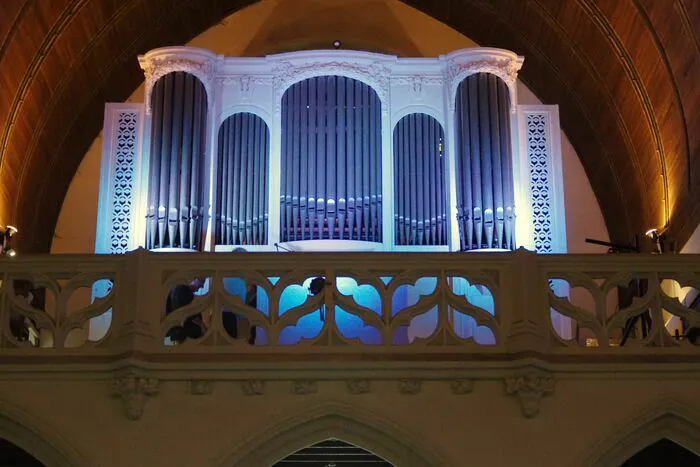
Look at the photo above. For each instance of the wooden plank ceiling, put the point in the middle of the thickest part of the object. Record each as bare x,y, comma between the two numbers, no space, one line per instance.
624,72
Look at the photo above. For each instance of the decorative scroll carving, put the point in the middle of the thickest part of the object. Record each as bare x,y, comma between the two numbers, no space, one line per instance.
245,81
410,386
417,83
538,162
253,387
305,387
529,390
133,391
123,181
359,386
462,386
157,67
505,68
201,387
376,75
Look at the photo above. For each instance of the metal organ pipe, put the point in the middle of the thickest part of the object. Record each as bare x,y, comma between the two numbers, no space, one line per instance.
241,202
331,161
485,193
419,182
175,200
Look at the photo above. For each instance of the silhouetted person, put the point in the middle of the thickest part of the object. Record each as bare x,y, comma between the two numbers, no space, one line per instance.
249,296
181,296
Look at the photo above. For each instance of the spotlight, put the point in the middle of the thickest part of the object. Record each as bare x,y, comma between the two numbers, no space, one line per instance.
337,44
11,253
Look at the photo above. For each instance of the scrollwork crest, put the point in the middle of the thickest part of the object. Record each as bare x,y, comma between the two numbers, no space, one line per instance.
157,67
505,68
376,75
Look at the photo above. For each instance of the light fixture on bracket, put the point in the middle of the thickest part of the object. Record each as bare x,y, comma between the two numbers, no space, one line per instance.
658,237
6,241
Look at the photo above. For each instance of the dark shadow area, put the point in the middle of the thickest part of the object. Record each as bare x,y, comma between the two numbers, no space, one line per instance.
664,453
332,452
14,456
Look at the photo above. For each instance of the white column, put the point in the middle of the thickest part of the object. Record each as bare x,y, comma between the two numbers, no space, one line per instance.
273,222
450,153
210,160
387,175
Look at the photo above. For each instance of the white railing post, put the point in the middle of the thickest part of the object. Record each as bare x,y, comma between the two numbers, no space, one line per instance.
137,321
527,308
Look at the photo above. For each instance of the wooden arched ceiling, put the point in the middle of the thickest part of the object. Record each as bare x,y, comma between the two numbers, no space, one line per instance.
624,72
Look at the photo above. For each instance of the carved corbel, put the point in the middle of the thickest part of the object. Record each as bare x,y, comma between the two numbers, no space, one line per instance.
529,389
134,391
253,387
410,386
201,387
462,386
359,386
304,387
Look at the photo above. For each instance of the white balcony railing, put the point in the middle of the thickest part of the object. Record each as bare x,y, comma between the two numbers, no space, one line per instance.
437,306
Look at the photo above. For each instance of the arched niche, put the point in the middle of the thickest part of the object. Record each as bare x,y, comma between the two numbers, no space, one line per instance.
485,190
666,420
15,456
331,164
176,188
663,452
242,174
20,431
331,421
420,185
330,452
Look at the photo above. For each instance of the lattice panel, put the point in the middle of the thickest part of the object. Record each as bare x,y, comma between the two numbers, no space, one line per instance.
123,181
540,172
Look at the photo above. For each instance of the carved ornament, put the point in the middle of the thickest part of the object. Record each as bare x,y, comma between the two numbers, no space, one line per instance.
254,387
505,68
462,386
359,386
305,387
410,386
157,67
201,387
375,74
529,389
133,392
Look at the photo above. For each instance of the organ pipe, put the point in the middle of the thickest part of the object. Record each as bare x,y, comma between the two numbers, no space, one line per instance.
419,182
485,193
242,161
175,197
331,161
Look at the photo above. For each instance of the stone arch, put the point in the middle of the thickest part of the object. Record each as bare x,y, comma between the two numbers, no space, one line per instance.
333,421
36,438
669,419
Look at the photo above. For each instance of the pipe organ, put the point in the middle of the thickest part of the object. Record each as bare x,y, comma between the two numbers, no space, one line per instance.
331,184
176,172
334,149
